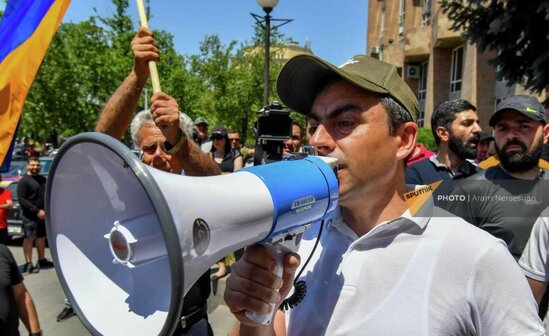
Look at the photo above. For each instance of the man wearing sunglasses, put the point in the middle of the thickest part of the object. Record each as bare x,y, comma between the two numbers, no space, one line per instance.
234,138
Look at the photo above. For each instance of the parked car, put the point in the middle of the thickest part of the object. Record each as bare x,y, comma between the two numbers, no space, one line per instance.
15,215
17,168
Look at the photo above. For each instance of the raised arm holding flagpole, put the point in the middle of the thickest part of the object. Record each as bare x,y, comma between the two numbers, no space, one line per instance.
117,116
152,65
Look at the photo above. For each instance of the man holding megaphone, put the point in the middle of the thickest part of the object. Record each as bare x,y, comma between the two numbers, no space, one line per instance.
162,135
379,269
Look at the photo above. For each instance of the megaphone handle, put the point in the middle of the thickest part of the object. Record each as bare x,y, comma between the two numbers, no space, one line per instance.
278,251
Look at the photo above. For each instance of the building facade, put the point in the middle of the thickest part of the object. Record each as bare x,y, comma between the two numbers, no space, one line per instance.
436,62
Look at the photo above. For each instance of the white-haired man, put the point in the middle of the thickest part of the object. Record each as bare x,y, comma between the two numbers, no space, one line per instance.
164,136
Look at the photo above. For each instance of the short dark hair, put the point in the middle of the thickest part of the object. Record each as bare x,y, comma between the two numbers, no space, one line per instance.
32,158
445,114
397,114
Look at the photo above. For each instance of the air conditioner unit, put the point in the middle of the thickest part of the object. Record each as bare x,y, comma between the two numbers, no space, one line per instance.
412,71
400,30
376,50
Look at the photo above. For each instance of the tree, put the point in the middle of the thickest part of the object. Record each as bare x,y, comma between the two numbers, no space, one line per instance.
228,86
426,138
516,30
84,65
253,54
230,82
68,90
87,61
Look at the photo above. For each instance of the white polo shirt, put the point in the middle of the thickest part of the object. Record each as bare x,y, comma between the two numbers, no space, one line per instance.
413,276
206,146
535,257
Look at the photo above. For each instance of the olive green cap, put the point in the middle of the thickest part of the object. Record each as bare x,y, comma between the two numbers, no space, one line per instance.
300,77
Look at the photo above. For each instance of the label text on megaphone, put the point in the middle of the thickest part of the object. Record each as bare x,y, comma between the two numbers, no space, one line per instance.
306,201
302,204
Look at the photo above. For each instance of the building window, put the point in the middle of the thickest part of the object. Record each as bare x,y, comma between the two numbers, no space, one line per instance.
498,100
401,20
499,76
422,92
456,75
426,17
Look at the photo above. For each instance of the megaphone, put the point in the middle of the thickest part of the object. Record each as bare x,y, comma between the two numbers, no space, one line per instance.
128,241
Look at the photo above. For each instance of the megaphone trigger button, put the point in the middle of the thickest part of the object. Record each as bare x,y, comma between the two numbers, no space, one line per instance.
201,236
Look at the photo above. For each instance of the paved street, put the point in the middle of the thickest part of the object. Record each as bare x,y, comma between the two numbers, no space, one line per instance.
49,299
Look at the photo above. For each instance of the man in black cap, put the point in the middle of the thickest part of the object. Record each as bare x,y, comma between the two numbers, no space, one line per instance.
506,199
379,269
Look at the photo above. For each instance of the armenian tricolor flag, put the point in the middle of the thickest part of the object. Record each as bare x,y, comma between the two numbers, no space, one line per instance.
26,30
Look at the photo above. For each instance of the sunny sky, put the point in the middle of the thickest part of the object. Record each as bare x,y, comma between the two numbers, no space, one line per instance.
336,29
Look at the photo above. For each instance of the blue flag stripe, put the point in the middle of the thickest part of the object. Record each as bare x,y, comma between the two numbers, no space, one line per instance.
7,161
19,22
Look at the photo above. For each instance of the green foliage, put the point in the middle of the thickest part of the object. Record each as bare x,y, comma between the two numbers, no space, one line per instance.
425,137
517,30
230,85
87,61
2,11
225,83
69,89
84,65
120,22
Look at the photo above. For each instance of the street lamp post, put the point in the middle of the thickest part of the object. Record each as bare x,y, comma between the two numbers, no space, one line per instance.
265,23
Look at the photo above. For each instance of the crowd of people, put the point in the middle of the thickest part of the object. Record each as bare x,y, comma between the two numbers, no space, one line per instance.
15,300
380,268
472,261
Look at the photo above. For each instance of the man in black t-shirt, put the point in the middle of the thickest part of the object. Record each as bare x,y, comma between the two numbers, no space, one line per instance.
15,301
31,192
505,200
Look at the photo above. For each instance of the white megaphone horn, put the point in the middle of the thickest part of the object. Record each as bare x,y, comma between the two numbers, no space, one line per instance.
128,241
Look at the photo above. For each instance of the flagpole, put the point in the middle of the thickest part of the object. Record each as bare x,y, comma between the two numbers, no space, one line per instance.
152,65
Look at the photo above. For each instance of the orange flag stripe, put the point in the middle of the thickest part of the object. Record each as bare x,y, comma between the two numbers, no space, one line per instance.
18,69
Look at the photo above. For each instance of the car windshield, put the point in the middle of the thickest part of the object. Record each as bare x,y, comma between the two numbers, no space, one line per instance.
16,169
45,164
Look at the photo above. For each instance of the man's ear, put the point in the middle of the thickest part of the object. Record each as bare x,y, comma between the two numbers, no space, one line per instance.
442,134
408,134
545,134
